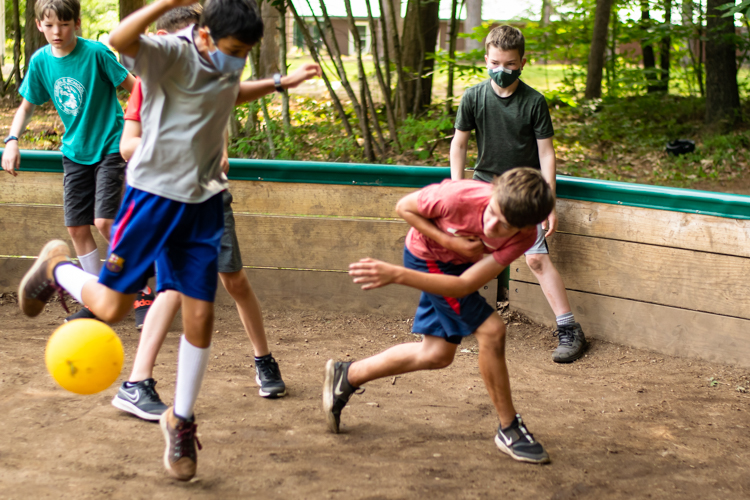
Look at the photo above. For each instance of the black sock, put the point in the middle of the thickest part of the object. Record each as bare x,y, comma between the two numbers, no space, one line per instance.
130,384
267,357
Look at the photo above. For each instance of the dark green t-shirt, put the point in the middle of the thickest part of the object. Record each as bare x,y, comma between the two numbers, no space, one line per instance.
507,128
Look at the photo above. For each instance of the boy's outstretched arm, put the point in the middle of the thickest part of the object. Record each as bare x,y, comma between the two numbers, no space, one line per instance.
130,139
12,155
408,209
459,144
549,169
252,90
128,83
371,273
125,39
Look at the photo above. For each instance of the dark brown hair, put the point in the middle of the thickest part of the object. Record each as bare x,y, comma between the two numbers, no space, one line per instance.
524,196
506,38
65,10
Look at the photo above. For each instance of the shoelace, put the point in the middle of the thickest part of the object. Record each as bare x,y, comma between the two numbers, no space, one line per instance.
150,391
565,335
185,437
61,294
268,369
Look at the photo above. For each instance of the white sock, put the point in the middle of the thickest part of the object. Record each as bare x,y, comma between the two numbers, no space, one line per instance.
72,279
91,262
191,366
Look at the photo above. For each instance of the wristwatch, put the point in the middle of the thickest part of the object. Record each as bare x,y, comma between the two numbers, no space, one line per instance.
10,138
277,82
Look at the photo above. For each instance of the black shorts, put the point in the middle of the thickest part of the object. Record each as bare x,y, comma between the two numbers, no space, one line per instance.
230,259
92,191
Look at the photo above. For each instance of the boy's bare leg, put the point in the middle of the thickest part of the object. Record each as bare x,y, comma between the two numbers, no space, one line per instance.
493,368
159,318
572,341
248,307
551,282
430,354
105,227
109,305
83,240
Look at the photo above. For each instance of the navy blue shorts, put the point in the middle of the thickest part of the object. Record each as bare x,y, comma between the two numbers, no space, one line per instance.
446,317
181,239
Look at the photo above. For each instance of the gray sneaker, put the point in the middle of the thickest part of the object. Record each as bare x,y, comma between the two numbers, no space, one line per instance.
572,343
519,443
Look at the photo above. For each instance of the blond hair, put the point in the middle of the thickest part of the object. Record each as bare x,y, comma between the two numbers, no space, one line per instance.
524,197
506,38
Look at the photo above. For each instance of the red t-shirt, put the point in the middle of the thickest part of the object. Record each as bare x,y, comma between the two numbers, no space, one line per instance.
457,207
133,110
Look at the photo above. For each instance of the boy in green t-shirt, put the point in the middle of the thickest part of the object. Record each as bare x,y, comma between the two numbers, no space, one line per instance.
80,76
514,129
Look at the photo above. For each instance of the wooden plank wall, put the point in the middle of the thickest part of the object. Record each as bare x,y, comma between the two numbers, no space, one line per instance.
297,240
668,281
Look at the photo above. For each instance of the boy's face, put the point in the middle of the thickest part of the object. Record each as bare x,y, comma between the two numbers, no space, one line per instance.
495,225
228,45
59,34
508,59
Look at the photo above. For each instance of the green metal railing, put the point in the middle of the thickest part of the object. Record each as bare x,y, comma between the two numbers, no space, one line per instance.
576,188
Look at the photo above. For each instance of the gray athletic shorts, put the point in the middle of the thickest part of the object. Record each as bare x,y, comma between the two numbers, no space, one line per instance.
92,191
230,259
540,245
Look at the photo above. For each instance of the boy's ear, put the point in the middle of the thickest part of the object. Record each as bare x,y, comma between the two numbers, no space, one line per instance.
38,25
523,62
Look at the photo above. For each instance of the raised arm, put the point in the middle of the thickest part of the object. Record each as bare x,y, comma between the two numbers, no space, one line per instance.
459,144
252,90
12,155
408,209
371,273
125,39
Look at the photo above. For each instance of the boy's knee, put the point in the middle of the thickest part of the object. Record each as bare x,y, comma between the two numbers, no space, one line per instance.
113,312
434,360
236,284
104,226
537,262
79,232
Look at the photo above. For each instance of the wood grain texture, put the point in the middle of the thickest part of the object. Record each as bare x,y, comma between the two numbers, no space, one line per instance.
42,188
25,229
668,276
316,199
668,330
657,227
282,288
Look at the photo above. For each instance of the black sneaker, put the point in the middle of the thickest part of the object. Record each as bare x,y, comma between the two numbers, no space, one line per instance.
141,400
268,377
84,313
519,443
336,392
572,343
141,305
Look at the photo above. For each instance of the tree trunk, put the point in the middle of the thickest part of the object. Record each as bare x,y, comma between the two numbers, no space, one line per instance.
385,89
283,66
364,89
722,94
398,23
254,58
452,37
387,51
360,108
127,7
473,20
16,44
2,36
649,60
546,12
397,57
666,48
269,46
420,38
596,53
33,39
316,57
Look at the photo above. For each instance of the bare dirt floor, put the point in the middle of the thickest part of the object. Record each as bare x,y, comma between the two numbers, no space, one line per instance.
619,423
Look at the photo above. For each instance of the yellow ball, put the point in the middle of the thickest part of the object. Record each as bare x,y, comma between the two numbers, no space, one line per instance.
84,356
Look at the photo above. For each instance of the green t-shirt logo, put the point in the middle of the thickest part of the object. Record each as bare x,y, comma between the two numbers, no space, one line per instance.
69,94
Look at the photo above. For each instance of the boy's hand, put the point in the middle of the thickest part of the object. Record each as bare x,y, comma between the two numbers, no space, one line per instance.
373,273
551,223
11,158
304,72
466,246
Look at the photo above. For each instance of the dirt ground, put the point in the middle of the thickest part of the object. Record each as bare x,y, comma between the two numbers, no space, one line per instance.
619,423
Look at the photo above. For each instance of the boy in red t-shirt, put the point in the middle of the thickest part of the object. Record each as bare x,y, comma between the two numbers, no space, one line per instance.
137,395
449,221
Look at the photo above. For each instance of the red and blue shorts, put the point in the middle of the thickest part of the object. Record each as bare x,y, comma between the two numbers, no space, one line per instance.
181,239
449,318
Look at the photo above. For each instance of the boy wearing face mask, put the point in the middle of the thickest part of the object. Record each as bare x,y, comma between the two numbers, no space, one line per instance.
514,129
172,211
